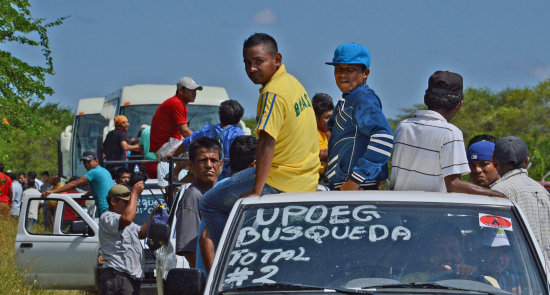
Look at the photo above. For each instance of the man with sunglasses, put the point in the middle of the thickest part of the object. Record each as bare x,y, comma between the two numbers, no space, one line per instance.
99,178
119,241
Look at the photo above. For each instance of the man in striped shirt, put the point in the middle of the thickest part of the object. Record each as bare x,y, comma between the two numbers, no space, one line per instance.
429,151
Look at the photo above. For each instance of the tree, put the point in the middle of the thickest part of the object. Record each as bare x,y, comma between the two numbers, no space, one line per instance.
24,151
20,82
524,113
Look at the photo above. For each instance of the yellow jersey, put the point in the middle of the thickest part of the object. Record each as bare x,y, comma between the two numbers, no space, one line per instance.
323,144
285,113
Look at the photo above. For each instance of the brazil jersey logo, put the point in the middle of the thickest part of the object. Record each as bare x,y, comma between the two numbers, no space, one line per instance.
303,103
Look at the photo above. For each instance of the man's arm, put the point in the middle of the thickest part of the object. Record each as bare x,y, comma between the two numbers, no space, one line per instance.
67,187
184,130
264,159
127,217
207,249
373,124
455,185
125,146
190,257
180,150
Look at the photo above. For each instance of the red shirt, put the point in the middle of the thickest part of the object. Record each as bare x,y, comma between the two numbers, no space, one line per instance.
171,113
5,187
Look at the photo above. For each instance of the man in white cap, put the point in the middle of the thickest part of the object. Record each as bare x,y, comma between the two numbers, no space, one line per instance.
170,119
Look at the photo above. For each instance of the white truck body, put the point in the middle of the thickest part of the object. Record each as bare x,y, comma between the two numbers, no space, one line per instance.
58,259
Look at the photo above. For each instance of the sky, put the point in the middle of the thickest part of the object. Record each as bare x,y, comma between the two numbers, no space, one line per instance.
105,45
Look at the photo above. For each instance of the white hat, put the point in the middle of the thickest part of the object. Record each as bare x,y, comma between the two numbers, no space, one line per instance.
188,83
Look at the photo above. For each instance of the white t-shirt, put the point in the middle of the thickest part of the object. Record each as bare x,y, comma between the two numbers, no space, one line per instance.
426,149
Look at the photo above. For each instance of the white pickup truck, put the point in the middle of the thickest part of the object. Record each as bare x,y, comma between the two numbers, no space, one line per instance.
372,242
60,251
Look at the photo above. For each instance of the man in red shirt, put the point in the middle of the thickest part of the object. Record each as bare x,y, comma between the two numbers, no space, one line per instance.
5,191
170,119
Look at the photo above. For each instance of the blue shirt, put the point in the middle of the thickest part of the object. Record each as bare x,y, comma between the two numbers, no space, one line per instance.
17,189
100,184
224,135
361,139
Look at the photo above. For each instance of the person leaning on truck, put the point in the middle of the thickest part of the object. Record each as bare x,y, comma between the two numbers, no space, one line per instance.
99,178
119,242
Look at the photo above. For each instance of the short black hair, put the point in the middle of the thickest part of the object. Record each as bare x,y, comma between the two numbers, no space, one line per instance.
120,171
204,142
482,137
437,101
322,102
1,167
231,112
31,174
21,173
45,173
30,183
243,152
135,178
261,39
12,176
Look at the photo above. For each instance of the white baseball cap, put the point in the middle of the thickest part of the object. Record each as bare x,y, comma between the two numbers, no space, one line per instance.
188,83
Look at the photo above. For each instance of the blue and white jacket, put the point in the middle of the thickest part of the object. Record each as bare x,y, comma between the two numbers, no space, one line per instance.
361,140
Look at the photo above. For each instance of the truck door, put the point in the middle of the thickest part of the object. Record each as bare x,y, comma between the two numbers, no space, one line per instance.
57,242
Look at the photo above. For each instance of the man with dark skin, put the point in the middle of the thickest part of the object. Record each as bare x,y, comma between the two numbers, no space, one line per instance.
119,241
99,178
287,153
429,151
206,163
170,119
262,62
116,144
122,176
482,170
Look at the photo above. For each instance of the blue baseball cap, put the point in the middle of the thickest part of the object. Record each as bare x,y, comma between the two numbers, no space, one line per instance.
480,151
351,53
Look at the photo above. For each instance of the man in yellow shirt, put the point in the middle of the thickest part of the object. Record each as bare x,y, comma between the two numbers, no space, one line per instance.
323,107
287,155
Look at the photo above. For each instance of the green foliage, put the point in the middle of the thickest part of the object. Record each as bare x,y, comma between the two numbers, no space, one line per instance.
12,281
20,82
24,151
524,113
250,123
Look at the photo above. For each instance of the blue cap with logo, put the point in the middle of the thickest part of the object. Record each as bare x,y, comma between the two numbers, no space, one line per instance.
480,151
351,53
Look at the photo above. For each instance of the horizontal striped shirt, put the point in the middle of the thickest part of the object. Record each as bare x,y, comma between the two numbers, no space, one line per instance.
427,148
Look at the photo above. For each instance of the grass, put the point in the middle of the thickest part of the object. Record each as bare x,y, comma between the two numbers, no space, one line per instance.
10,277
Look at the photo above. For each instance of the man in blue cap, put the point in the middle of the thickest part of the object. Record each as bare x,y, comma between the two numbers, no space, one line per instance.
361,138
480,160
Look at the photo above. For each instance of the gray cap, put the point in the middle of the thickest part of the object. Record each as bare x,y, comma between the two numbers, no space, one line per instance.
188,83
88,156
510,150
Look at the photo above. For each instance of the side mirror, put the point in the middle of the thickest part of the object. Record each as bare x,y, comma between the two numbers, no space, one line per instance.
65,139
188,281
159,233
80,227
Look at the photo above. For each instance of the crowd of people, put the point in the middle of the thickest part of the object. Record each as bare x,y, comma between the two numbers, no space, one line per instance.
300,144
